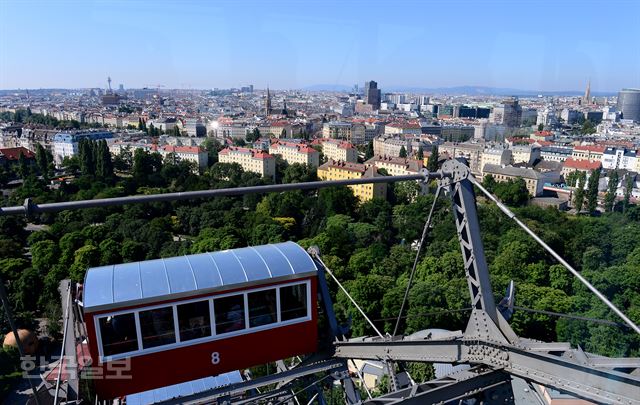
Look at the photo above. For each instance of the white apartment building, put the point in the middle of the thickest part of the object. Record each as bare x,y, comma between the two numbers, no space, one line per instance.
193,154
471,151
495,156
337,150
396,166
619,158
295,153
65,144
403,128
251,160
525,154
591,153
390,146
347,131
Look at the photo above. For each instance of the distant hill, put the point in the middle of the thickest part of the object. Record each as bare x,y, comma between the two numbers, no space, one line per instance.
462,90
328,87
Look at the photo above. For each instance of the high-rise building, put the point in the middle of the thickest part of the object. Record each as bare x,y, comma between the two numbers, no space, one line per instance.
629,104
372,94
509,113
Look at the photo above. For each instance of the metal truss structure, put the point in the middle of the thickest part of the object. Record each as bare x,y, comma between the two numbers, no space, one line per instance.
488,344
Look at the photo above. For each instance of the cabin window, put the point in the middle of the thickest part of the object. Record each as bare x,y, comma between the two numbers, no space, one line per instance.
293,302
118,334
194,320
156,327
229,313
262,308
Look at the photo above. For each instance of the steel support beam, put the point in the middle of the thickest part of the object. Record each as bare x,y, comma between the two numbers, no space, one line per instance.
567,371
486,321
490,384
328,366
30,207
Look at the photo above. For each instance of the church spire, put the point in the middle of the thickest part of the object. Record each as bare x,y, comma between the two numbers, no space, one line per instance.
267,107
587,94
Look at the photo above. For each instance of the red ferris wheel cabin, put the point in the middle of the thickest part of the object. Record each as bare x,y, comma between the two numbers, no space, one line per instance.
161,322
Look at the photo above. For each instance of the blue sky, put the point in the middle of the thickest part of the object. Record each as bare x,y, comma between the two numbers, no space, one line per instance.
523,44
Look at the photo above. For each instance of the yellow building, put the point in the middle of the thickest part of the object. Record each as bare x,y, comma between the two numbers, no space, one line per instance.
340,170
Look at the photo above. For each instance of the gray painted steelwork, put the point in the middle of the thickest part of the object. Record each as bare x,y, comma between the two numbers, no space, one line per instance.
29,207
568,370
330,366
120,285
493,387
488,339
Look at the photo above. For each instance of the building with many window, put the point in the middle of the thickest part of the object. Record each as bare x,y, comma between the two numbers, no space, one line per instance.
620,158
533,179
194,154
391,146
65,144
334,149
403,128
396,166
372,94
592,153
295,152
629,104
555,154
526,154
495,156
336,170
346,131
251,160
571,165
509,113
472,152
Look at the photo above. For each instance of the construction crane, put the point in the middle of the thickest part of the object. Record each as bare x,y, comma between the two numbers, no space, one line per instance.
494,352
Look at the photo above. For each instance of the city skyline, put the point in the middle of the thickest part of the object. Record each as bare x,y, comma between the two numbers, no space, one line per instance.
531,45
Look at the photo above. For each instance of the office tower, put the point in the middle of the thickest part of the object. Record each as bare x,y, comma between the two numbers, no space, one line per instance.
509,113
372,94
629,104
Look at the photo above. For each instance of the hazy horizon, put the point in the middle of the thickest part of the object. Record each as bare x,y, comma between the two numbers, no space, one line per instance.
527,45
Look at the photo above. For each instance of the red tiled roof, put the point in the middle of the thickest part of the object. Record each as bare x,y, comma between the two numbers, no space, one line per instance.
544,133
591,148
342,165
14,153
572,163
302,147
181,149
341,144
258,154
280,123
520,140
404,125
